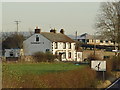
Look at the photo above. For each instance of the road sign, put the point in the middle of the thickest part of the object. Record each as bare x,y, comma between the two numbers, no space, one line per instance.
98,65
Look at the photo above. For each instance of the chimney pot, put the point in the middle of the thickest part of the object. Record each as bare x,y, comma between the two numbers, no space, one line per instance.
37,30
53,30
62,31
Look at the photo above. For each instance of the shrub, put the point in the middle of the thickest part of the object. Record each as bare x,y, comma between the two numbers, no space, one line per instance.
43,57
115,63
50,57
93,57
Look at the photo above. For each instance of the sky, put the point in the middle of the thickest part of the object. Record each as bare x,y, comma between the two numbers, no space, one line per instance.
71,16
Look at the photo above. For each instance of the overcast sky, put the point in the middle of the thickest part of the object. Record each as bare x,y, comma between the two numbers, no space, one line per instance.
71,17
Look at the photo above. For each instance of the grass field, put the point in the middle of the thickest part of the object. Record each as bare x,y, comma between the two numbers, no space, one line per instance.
38,68
46,75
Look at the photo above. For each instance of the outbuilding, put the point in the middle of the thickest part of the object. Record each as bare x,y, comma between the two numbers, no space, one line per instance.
13,53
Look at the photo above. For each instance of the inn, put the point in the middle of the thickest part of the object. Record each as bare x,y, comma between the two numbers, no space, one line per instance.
56,43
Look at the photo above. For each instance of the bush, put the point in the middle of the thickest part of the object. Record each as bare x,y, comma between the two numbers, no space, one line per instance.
93,57
50,57
115,63
43,57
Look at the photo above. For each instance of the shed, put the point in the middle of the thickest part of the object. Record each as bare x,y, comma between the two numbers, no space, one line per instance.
13,52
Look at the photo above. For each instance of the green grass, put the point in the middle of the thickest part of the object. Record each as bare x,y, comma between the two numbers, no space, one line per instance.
46,75
38,68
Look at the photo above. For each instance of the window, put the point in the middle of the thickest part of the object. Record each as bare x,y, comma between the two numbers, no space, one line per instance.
64,55
106,41
64,45
83,40
56,46
87,40
47,50
101,41
69,45
78,55
112,42
69,55
75,46
11,54
92,40
37,38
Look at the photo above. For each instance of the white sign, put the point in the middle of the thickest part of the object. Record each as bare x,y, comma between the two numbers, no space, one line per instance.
98,65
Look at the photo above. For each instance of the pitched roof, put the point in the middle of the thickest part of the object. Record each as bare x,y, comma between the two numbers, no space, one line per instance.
86,36
56,37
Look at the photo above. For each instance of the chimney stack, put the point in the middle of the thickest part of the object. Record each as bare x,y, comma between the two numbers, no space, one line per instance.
37,30
62,31
53,30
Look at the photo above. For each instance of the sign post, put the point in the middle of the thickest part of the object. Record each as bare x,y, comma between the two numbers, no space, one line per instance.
99,66
103,76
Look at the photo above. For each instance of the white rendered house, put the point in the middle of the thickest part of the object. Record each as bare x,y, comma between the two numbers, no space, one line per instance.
56,43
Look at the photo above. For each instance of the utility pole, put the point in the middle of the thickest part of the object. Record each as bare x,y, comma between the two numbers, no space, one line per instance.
94,44
76,35
17,23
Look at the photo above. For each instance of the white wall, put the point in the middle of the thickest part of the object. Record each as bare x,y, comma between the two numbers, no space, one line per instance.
31,46
66,50
97,41
109,43
79,56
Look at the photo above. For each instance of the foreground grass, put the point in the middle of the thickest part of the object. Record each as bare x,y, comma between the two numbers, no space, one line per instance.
38,68
16,75
40,75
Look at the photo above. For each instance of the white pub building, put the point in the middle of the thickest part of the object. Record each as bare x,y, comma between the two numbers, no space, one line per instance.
56,43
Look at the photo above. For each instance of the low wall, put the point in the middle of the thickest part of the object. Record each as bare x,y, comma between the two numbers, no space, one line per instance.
87,53
99,53
27,58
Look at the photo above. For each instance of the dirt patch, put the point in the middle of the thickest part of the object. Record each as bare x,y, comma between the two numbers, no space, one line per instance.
104,84
116,74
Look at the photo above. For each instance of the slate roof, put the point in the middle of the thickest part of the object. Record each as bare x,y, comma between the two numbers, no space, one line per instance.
56,37
88,36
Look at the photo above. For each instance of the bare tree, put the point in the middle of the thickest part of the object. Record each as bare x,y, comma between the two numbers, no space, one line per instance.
31,32
12,41
108,21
